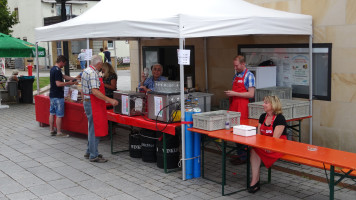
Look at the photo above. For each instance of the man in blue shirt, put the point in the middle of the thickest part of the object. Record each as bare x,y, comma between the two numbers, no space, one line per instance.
81,58
148,84
56,95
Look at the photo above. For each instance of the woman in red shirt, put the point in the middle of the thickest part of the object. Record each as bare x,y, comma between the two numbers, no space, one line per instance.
272,124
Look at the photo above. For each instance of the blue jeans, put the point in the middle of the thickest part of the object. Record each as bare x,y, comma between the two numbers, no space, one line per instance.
57,107
92,147
82,64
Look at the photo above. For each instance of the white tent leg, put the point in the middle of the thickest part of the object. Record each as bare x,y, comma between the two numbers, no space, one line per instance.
87,48
182,109
311,89
37,70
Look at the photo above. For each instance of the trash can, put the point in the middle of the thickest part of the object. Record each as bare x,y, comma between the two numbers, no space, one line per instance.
26,87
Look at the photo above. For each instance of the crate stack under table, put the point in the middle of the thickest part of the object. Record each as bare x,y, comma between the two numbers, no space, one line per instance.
291,109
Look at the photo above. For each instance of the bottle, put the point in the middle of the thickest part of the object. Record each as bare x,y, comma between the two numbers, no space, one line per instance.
227,121
195,104
188,106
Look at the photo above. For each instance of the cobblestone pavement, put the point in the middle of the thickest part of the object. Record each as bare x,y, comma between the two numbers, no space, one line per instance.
34,165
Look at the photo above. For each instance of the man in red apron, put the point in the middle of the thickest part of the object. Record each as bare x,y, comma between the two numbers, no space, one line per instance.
95,108
243,88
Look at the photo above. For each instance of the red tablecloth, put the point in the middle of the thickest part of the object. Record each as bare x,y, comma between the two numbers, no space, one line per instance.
74,119
142,122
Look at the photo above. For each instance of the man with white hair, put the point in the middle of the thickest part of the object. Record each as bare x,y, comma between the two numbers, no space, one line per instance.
81,58
95,108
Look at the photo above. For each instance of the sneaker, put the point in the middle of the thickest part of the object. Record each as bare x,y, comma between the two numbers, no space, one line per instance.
53,133
98,160
62,135
86,155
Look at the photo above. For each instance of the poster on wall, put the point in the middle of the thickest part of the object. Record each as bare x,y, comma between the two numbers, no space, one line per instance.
300,70
2,66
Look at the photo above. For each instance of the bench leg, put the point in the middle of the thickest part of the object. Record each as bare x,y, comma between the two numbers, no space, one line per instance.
269,174
331,183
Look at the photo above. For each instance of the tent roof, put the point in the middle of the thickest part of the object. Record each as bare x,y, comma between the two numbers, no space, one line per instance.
176,19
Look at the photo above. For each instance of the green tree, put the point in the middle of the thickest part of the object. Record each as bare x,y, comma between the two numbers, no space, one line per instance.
7,18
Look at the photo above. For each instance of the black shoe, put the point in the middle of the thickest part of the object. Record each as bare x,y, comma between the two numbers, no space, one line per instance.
98,160
237,161
86,155
253,189
53,133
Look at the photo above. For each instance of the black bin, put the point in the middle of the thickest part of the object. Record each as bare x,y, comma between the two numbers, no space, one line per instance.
26,87
135,144
172,148
148,145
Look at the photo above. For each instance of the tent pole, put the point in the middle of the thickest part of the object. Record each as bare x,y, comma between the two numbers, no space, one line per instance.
140,66
37,70
182,109
311,89
87,48
206,67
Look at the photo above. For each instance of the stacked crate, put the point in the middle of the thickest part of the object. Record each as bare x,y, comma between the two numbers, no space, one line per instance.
291,109
280,92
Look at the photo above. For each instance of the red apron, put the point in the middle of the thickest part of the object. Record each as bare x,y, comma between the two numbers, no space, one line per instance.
236,103
268,158
98,108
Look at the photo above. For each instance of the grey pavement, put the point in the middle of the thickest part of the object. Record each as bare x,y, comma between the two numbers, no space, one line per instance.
34,165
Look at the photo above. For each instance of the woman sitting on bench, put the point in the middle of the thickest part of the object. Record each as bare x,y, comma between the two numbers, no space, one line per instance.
272,124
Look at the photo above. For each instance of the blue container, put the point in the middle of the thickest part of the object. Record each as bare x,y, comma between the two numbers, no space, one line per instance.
188,146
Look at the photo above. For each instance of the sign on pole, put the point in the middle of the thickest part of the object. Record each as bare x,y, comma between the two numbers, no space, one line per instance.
183,57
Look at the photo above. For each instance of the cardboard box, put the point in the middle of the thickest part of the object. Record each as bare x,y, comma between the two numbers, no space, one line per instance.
243,130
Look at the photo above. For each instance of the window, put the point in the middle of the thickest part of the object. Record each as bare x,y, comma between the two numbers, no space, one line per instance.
292,62
59,48
110,44
78,45
68,9
16,10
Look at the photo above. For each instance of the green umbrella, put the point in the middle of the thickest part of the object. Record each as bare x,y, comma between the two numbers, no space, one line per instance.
12,47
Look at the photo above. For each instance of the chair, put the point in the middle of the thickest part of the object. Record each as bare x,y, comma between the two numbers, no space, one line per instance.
12,88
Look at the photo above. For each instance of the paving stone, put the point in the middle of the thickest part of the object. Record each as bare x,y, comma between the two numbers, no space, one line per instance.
55,196
25,195
62,184
11,187
75,191
41,190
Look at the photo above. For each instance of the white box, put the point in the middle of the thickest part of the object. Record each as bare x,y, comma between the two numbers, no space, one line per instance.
243,130
264,76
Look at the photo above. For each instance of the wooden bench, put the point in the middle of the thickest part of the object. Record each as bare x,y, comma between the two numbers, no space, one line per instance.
342,172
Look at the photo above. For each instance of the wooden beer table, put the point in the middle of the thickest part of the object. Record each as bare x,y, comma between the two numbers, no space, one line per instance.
332,157
143,122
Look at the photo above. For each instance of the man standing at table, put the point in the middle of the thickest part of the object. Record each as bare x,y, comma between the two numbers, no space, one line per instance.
95,108
56,96
243,88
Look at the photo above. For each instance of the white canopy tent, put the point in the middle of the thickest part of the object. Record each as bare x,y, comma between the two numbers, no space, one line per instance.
118,19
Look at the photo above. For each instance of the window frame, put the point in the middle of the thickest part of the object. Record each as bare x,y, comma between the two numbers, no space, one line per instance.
302,45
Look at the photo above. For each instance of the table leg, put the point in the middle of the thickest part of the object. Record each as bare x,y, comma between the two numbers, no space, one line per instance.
331,183
223,168
248,169
202,155
111,137
164,153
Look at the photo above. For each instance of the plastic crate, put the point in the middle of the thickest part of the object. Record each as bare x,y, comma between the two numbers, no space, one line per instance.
300,108
204,100
255,110
280,92
224,104
215,120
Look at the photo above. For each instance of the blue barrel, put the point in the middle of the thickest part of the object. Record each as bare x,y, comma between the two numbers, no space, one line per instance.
188,146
